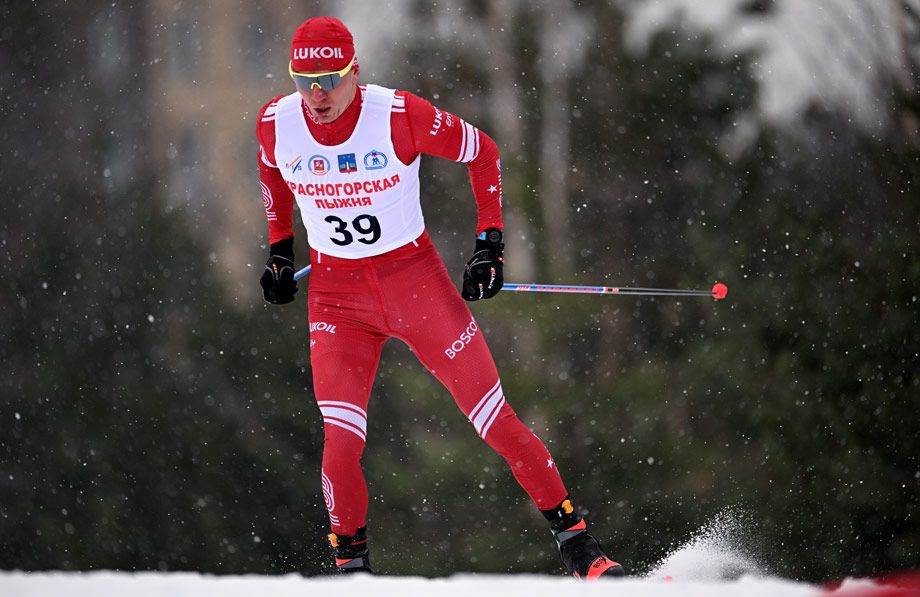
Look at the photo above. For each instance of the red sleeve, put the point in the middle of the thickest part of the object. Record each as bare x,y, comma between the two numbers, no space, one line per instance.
276,196
419,127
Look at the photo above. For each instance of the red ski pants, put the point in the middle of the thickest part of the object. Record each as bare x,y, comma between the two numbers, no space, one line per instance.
355,306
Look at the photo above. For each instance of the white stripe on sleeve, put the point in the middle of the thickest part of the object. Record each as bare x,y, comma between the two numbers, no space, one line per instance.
469,144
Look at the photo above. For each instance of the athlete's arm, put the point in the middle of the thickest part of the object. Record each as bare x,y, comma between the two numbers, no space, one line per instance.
276,196
422,128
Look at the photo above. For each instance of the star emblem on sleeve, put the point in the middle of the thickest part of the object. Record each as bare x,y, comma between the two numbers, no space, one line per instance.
493,189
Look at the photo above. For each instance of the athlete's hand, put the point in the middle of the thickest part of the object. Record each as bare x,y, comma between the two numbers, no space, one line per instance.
278,284
483,276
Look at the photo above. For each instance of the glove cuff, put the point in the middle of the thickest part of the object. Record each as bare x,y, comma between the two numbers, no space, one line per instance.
283,248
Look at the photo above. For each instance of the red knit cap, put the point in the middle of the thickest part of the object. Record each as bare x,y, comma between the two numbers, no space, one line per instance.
322,44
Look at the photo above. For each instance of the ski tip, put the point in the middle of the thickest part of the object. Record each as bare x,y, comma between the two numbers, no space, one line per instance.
719,291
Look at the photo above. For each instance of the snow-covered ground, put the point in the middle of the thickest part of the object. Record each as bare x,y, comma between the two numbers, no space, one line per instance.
702,568
186,584
714,563
115,584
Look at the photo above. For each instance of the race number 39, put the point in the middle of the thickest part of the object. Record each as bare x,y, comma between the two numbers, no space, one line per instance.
366,226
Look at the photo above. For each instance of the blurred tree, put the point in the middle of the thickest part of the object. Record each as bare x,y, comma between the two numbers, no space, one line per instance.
148,429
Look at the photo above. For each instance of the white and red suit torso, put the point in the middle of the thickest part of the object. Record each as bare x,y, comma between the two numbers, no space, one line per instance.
415,127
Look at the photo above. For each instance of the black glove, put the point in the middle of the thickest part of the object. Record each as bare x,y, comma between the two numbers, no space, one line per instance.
278,285
484,275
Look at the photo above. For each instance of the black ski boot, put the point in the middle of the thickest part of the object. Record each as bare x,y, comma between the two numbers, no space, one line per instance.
580,551
351,554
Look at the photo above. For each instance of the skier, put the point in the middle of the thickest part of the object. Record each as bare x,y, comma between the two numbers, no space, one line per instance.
349,154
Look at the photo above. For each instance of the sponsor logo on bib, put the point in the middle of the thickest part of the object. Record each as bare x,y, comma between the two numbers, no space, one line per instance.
319,165
375,160
295,164
347,163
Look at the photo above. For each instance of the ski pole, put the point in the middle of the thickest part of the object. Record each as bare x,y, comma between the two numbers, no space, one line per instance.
302,273
719,290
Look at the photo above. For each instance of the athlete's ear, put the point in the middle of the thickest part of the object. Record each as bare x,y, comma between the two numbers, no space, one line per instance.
357,71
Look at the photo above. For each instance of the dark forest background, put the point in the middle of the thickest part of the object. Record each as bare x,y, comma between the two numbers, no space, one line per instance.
152,419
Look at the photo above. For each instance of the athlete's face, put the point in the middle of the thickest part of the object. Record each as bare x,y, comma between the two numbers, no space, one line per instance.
326,106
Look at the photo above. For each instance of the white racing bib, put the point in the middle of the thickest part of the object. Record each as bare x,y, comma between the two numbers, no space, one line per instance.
356,199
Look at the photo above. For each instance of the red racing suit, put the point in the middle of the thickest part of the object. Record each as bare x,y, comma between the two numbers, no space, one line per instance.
359,297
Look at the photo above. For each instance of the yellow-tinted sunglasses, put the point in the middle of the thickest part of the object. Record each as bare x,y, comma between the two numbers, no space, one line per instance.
325,81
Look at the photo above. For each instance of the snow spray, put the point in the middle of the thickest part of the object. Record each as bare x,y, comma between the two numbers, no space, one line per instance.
720,550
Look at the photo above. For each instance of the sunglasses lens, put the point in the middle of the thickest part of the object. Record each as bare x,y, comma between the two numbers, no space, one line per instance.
325,82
